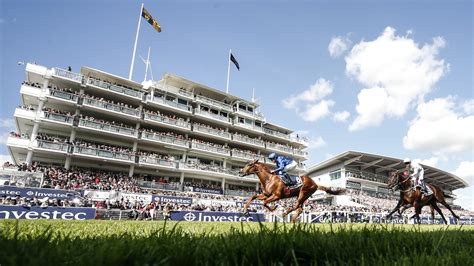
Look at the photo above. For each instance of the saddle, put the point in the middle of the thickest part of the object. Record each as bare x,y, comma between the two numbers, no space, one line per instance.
294,182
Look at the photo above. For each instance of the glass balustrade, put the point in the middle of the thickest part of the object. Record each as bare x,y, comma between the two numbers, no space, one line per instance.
111,107
167,120
210,148
156,161
64,95
116,88
58,117
161,100
52,145
245,155
276,133
279,147
164,138
68,74
107,127
249,140
221,133
213,102
159,186
109,154
212,115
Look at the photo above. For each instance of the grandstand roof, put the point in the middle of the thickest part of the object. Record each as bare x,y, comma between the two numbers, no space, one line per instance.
381,164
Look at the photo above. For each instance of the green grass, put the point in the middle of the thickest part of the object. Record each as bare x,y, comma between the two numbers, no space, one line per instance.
55,242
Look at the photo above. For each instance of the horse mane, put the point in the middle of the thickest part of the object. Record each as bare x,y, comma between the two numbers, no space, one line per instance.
265,167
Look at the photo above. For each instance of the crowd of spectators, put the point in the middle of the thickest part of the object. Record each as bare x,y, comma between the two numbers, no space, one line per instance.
28,107
178,120
19,136
107,101
210,144
157,134
101,121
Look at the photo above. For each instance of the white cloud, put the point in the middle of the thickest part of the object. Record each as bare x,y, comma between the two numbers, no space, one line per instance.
468,107
5,158
320,89
433,161
439,129
315,143
338,45
396,71
341,116
8,123
465,198
317,111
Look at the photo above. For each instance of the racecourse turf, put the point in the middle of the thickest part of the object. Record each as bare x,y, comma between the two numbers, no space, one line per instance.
55,242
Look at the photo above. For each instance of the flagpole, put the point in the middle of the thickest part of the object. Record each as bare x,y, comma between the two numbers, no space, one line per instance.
228,72
135,46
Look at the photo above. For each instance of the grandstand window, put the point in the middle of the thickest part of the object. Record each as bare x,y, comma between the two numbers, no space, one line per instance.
334,175
181,101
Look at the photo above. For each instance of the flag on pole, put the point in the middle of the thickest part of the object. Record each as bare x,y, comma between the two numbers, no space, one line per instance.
232,58
146,15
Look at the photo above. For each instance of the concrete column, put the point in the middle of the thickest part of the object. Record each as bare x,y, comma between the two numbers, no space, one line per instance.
34,133
130,171
223,185
225,163
181,180
67,164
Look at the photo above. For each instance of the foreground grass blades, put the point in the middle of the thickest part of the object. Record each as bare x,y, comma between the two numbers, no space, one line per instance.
53,242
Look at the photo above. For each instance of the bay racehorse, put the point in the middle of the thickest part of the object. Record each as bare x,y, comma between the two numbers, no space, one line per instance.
409,196
273,188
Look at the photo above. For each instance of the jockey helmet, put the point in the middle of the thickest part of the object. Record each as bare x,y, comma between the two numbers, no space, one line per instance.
272,156
407,161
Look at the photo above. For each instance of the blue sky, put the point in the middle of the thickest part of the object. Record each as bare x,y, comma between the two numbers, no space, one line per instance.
397,74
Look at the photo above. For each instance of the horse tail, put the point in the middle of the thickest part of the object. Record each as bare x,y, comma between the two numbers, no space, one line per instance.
332,190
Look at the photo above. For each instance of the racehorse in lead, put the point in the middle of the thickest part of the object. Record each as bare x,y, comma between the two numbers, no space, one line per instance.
409,196
273,188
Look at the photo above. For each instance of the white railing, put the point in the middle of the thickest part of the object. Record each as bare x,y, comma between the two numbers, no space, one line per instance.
247,139
167,139
213,102
108,127
118,155
111,107
252,127
158,185
300,153
203,129
245,155
68,74
168,120
159,161
115,88
210,148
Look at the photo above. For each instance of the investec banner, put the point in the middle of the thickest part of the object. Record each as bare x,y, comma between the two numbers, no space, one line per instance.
28,192
33,213
171,199
198,216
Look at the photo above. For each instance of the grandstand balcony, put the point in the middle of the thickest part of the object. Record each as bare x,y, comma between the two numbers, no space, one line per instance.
25,114
173,106
157,163
159,186
184,93
108,155
248,114
300,154
211,132
224,120
248,141
51,146
238,193
213,170
115,89
68,75
62,96
278,148
107,108
247,127
165,140
245,155
276,134
17,142
58,119
30,91
105,128
166,121
210,149
214,103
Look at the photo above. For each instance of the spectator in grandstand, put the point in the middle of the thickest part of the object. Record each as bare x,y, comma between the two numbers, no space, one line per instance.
284,164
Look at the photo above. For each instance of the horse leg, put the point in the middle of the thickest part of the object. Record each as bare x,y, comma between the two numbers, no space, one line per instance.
256,196
305,193
397,208
449,208
435,206
432,211
439,195
270,199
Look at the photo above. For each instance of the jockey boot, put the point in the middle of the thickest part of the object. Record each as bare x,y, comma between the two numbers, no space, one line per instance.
286,179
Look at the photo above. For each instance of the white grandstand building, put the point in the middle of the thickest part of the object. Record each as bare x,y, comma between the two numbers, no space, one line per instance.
172,129
368,173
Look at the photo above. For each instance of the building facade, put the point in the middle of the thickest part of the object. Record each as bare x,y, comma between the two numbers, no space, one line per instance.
173,129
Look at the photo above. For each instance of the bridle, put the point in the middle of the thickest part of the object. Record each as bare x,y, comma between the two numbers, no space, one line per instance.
254,166
399,183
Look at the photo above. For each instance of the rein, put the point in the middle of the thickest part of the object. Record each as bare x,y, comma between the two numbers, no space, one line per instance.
399,183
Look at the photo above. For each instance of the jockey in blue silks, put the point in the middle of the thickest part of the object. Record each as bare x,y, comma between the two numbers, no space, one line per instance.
284,164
